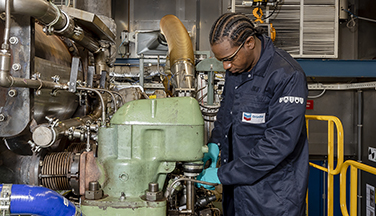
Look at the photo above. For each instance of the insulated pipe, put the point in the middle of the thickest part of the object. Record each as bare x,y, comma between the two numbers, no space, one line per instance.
178,40
44,135
47,13
42,10
35,200
181,54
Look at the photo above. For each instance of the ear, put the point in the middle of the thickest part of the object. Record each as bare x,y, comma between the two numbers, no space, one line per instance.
250,42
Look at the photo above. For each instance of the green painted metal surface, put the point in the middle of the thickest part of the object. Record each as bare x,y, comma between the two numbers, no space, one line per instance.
143,143
210,64
115,207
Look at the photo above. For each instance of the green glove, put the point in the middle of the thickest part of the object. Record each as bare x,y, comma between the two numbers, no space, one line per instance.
212,154
208,175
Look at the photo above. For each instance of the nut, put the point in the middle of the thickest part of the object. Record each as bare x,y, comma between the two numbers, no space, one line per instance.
13,40
12,93
2,117
153,196
94,195
16,67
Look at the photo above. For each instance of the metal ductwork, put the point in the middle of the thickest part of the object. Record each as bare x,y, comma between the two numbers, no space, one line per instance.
181,54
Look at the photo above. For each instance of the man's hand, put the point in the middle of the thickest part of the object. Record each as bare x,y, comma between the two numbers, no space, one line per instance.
208,175
212,154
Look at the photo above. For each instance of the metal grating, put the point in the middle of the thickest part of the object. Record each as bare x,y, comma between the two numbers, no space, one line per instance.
305,28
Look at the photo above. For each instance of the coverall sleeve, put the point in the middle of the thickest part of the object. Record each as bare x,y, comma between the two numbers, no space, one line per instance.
284,127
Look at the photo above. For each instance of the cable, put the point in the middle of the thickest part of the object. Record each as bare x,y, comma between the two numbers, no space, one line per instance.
351,23
276,5
319,95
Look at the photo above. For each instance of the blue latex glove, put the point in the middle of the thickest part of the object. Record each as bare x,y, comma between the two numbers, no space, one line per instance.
208,175
212,154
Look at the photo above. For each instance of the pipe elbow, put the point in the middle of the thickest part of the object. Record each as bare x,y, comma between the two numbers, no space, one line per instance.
5,77
35,200
179,43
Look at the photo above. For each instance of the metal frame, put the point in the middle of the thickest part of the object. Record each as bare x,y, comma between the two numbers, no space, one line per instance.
353,185
331,170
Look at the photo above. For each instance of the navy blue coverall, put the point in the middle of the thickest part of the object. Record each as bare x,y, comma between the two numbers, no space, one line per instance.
261,132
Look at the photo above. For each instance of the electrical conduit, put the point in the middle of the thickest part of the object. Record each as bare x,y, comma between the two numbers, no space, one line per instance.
35,200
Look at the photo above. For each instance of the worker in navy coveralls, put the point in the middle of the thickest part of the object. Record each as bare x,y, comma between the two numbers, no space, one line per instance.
260,125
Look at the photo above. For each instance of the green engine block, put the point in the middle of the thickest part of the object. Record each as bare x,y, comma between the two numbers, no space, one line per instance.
142,144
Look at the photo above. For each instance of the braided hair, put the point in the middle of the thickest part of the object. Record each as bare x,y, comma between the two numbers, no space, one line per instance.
235,27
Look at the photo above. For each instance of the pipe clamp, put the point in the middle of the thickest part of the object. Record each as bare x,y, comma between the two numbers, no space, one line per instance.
49,29
6,191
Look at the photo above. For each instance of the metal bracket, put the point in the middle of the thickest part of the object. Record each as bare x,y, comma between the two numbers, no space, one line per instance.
102,83
74,73
90,76
5,199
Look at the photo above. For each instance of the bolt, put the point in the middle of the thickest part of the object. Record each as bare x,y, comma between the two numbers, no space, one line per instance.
153,187
93,186
16,67
122,197
123,177
2,117
13,40
12,93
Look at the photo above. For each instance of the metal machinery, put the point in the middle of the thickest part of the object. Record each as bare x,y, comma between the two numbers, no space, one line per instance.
98,118
66,126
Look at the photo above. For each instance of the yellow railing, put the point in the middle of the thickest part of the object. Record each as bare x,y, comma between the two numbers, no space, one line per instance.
353,185
331,170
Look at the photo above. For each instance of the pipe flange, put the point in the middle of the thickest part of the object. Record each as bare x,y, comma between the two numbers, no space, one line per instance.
193,169
74,181
44,136
67,25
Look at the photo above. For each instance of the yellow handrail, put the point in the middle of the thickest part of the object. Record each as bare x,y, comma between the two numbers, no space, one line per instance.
353,185
332,120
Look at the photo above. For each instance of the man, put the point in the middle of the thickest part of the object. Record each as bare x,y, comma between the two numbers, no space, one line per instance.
260,126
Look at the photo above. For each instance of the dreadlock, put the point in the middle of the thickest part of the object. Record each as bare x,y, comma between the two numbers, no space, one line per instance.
235,26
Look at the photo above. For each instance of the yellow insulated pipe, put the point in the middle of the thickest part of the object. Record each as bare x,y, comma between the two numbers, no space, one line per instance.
181,55
178,40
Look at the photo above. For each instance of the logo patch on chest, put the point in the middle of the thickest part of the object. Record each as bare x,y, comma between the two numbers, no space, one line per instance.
253,118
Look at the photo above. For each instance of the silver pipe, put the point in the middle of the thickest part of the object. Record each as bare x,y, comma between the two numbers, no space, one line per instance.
47,13
102,102
190,196
42,10
112,96
121,97
7,25
141,78
169,189
141,89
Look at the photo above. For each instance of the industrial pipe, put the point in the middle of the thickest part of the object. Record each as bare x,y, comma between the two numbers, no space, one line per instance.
43,11
44,135
178,40
5,44
181,54
48,14
35,200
